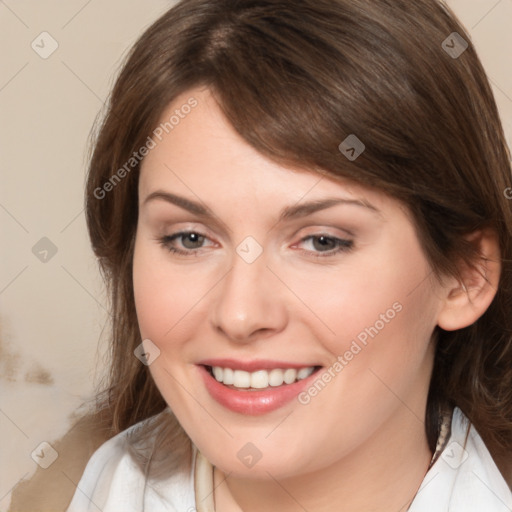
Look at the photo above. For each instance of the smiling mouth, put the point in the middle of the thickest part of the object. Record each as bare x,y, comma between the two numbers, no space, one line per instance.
241,380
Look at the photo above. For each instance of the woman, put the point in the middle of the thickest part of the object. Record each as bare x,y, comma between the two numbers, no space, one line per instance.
300,210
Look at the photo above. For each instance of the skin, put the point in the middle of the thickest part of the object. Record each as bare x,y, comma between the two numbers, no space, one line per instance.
360,444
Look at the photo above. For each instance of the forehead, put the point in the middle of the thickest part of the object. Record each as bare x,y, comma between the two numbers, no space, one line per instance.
197,152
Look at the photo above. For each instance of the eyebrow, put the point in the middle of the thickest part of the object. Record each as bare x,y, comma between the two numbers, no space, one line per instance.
289,212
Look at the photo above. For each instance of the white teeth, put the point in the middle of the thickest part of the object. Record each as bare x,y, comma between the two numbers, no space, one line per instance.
227,378
260,379
241,379
218,373
290,375
275,377
301,374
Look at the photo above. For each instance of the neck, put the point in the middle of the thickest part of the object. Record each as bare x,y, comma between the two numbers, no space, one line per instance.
384,474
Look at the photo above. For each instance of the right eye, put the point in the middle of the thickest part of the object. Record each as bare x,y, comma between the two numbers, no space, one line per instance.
186,243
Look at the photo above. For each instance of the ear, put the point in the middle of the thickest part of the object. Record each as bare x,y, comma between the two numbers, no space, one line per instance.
465,302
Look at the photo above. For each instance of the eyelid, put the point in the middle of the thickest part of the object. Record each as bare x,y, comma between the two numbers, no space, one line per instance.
319,229
342,245
172,228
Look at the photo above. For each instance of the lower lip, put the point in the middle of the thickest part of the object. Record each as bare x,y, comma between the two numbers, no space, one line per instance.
253,403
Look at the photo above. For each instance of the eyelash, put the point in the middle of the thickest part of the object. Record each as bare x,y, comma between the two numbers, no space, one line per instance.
342,245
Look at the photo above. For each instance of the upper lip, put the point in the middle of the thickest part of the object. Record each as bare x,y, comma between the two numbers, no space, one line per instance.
253,365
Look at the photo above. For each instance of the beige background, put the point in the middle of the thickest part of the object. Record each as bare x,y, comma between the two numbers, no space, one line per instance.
52,312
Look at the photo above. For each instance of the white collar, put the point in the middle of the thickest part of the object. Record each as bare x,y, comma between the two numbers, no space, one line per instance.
464,477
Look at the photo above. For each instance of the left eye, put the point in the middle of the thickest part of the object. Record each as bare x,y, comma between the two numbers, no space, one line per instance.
327,244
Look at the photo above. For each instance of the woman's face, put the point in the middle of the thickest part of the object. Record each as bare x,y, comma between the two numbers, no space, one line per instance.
261,275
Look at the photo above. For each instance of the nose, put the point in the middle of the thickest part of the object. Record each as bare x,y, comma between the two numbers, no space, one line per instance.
249,302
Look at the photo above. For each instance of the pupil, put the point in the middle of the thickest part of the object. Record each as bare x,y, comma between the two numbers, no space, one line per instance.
192,241
323,243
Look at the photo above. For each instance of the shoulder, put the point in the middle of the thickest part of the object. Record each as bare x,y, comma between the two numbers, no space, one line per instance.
114,478
465,478
110,474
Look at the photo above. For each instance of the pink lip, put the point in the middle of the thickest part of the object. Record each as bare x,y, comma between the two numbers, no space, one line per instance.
253,403
254,365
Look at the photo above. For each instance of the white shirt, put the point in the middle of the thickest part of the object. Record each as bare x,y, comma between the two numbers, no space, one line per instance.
464,478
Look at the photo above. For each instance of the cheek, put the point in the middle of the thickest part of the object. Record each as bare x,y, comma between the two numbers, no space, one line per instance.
378,312
381,352
153,298
163,295
164,299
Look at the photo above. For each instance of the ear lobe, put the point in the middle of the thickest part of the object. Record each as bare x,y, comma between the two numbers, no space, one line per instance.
465,302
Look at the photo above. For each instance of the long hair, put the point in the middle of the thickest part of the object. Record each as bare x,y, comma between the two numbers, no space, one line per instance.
295,79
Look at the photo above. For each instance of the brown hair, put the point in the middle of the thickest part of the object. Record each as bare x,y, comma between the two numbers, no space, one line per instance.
295,78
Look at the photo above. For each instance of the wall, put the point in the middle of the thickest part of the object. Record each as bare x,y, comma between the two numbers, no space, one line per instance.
52,304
